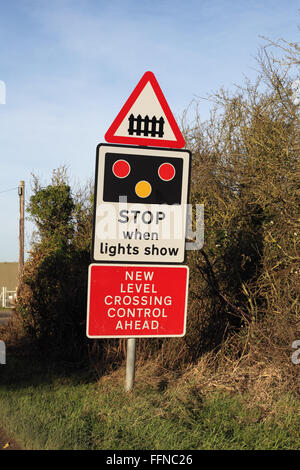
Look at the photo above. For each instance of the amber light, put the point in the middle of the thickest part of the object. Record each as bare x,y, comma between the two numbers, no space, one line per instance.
143,189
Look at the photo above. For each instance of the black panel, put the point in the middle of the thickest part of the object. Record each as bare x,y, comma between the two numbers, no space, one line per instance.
142,168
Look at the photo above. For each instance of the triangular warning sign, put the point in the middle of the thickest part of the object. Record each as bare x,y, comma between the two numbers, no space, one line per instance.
146,118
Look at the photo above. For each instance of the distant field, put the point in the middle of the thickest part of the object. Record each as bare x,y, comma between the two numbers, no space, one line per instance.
8,275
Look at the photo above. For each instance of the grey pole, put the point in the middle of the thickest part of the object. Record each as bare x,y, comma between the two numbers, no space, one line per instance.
130,364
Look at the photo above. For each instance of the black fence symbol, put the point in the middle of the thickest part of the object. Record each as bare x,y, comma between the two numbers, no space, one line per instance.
151,127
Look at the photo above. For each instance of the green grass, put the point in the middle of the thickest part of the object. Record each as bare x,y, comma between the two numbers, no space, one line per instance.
45,409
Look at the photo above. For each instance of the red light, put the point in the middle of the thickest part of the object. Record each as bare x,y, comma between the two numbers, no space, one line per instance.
121,168
166,172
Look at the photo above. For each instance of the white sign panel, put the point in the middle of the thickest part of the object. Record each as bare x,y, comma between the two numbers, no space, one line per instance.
140,204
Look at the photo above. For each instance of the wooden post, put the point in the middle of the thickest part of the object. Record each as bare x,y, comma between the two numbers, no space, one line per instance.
21,193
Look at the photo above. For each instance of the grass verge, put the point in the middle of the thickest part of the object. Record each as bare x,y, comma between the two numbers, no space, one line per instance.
47,408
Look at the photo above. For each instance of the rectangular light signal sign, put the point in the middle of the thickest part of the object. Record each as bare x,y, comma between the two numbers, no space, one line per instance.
140,204
136,301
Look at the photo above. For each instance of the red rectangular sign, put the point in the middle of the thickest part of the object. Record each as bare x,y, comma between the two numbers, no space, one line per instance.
136,301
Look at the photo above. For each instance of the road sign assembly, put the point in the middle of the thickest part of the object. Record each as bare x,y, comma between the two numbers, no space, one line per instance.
140,204
136,286
136,301
146,119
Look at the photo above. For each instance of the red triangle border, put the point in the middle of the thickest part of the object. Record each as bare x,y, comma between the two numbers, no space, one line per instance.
110,134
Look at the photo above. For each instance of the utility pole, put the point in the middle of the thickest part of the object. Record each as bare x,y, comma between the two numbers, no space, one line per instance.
21,193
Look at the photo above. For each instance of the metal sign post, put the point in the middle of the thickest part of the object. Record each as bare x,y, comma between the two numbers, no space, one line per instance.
130,364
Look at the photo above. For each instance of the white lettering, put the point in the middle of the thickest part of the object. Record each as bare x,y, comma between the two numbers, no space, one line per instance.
137,325
105,300
122,312
109,314
139,275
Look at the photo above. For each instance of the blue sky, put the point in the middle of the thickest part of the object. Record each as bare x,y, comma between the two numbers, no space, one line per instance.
69,66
